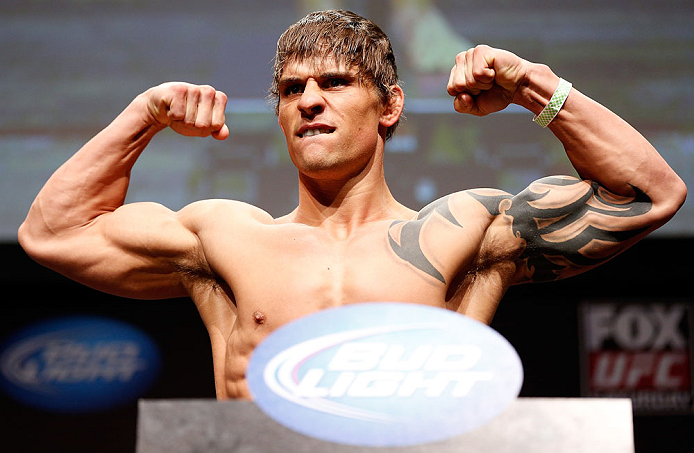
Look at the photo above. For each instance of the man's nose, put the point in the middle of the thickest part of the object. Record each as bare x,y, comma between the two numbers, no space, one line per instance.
312,101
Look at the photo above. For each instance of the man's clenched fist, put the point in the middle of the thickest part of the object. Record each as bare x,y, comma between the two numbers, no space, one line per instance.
190,110
484,80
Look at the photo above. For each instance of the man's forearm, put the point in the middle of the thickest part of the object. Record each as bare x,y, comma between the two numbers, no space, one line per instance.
600,145
94,180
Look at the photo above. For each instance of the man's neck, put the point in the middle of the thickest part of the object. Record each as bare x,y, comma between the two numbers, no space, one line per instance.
342,206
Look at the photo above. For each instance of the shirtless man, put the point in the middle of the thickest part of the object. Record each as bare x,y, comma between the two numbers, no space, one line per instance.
349,240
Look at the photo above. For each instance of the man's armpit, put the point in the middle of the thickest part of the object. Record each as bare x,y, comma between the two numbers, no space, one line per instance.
569,225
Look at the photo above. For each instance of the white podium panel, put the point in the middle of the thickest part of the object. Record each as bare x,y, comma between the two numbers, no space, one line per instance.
567,425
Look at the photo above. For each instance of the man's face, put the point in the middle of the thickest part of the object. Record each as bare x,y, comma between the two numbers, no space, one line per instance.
329,118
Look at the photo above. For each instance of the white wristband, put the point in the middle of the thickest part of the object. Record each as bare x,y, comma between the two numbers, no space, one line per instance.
554,105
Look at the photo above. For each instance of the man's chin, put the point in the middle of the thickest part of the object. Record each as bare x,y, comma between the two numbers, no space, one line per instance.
329,170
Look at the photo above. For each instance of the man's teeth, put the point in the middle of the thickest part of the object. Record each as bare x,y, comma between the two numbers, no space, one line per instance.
310,132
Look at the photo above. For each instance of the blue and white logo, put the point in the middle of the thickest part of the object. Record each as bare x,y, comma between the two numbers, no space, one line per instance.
78,364
384,374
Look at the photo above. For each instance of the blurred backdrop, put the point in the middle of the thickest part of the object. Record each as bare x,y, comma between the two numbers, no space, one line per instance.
68,67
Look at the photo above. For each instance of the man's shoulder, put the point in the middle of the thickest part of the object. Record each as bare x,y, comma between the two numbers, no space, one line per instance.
487,198
479,203
204,212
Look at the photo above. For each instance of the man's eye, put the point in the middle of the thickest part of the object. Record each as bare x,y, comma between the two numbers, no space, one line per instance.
293,89
332,83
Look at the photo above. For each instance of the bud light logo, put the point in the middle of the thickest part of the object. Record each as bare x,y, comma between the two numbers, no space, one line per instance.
384,374
78,364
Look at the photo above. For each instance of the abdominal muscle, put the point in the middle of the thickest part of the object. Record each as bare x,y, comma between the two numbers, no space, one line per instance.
235,332
236,357
232,356
312,274
230,377
232,349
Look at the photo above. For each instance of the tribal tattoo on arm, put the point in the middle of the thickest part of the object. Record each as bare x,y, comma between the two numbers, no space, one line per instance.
569,225
409,247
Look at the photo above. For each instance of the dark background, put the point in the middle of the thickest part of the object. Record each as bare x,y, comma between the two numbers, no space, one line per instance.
540,320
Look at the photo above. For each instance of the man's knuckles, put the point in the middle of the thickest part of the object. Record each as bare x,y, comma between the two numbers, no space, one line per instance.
206,92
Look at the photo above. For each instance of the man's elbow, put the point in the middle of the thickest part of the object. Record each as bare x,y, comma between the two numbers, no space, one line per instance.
673,199
27,240
37,243
679,194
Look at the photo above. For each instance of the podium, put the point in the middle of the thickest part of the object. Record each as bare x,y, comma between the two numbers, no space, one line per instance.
567,425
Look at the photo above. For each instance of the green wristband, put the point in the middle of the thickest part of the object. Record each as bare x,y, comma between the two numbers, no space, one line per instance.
555,104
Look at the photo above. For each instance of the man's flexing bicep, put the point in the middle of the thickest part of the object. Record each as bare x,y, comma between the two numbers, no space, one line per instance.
78,224
568,226
141,250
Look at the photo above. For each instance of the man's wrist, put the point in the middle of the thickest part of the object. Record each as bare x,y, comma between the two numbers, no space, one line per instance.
555,104
134,124
536,90
139,110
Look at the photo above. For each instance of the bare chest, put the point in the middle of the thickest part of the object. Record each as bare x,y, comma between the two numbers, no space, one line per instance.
286,273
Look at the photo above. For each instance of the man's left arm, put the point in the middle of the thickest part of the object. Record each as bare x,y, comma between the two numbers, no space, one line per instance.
569,225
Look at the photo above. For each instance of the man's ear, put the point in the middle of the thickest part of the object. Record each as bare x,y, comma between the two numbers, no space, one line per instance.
393,107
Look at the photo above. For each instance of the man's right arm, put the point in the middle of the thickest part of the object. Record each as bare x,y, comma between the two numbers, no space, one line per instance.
78,224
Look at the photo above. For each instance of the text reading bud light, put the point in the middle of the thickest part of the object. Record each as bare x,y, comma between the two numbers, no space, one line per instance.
78,364
384,374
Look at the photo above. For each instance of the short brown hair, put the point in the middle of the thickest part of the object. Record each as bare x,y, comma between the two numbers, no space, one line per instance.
350,39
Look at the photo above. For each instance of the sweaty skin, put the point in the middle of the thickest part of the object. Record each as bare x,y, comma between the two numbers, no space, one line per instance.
349,240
